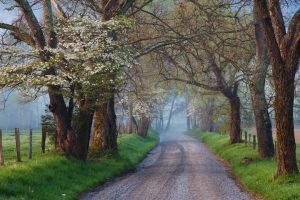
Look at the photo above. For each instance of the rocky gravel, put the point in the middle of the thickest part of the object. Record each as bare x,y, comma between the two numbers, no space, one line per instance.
179,168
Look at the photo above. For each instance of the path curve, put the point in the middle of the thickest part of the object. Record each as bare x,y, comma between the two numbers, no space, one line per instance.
179,168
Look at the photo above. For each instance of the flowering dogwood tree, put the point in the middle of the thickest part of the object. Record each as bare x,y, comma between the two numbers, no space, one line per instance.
86,53
146,105
79,67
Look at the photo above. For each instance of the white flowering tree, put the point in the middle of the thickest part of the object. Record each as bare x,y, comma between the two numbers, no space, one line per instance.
143,105
73,59
84,56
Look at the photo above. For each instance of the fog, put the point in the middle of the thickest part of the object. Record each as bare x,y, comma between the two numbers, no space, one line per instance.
178,124
15,113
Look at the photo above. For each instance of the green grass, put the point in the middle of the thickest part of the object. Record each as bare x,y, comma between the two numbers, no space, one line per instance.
9,145
256,176
52,176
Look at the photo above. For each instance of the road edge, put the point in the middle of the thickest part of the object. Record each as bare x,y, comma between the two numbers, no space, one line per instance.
229,171
123,174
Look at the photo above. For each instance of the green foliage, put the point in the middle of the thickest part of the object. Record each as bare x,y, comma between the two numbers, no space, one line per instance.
257,176
52,176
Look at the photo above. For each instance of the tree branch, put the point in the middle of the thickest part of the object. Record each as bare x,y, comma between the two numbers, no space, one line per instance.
59,9
204,86
277,20
19,34
48,21
269,34
33,23
293,40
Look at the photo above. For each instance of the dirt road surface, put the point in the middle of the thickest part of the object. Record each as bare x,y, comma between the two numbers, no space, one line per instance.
179,168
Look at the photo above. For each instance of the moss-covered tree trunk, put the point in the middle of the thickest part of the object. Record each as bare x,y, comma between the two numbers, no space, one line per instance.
104,134
98,120
105,123
257,89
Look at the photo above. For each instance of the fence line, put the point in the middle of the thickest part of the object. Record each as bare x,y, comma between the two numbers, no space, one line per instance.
18,145
247,140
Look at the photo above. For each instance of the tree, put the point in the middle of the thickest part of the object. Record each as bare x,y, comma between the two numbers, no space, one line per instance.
201,46
105,126
40,39
284,50
257,88
80,62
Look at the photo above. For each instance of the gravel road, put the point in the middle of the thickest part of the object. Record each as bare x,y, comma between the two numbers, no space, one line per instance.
179,168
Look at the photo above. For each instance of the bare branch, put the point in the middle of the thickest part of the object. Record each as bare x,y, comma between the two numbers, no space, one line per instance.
33,23
19,34
59,9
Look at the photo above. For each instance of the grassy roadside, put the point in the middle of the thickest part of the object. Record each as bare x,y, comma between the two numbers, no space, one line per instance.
256,176
51,176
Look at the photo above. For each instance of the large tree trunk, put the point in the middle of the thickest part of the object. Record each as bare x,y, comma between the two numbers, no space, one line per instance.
284,52
97,131
105,123
57,106
235,120
284,102
105,127
110,133
257,89
263,122
82,126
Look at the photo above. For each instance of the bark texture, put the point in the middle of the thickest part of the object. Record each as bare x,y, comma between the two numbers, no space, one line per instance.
98,120
105,123
105,126
257,89
64,131
284,51
82,127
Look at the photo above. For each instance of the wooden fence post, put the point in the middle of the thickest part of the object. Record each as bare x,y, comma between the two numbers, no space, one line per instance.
249,138
30,144
43,141
254,141
1,149
246,138
17,138
275,149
